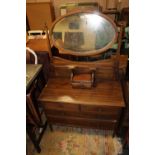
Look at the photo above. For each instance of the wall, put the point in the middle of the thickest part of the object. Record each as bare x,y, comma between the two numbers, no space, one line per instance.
103,3
47,15
38,13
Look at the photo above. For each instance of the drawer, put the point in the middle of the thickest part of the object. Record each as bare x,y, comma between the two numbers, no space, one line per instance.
81,85
83,122
86,115
101,110
60,106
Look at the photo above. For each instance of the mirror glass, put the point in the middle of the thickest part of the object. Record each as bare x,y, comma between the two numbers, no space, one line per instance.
83,32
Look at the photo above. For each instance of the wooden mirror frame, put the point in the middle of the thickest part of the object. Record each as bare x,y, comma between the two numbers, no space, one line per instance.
86,53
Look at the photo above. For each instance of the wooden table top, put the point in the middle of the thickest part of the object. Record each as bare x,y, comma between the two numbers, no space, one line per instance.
108,93
37,45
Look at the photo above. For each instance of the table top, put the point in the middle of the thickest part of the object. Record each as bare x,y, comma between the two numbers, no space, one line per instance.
107,93
83,32
32,71
38,45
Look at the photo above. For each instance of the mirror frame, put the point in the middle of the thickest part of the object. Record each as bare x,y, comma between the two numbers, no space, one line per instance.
86,53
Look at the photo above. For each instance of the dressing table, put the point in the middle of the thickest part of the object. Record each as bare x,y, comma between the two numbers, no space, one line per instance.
83,35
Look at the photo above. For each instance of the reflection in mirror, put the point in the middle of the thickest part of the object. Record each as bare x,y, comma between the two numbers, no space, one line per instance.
83,32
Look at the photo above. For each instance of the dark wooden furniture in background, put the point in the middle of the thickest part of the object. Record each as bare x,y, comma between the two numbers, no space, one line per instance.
40,45
42,48
35,125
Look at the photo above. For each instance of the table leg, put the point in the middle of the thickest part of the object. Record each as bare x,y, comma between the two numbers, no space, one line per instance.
33,139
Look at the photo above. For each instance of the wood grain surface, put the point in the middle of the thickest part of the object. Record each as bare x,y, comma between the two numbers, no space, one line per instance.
108,93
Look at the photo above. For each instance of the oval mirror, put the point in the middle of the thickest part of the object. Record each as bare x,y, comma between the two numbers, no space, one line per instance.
83,33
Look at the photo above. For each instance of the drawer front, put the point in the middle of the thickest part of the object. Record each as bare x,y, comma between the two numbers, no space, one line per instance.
60,106
83,122
87,115
81,85
101,110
